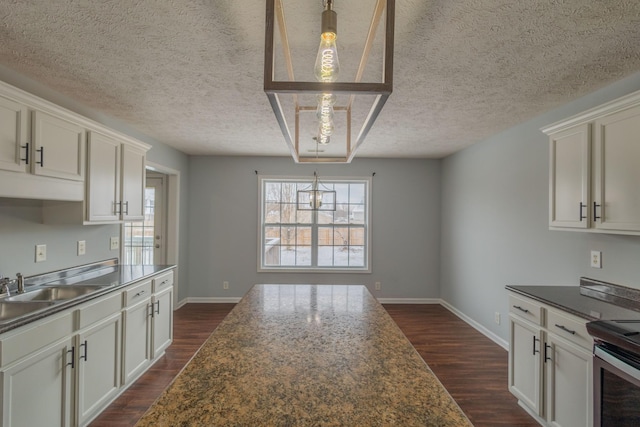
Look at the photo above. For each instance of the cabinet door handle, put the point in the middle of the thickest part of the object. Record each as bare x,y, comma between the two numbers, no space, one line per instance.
126,212
524,310
546,356
41,151
534,345
26,153
73,357
595,211
564,328
157,307
581,216
86,349
151,307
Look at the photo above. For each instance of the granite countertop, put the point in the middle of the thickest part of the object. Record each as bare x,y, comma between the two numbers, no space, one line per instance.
581,301
306,355
108,274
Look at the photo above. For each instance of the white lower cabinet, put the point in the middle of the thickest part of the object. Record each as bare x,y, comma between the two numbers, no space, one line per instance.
98,367
162,321
550,364
37,390
137,331
64,369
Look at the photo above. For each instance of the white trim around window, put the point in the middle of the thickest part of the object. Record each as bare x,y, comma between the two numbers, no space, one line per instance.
319,241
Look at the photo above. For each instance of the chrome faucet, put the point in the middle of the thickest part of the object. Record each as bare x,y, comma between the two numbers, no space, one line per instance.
20,280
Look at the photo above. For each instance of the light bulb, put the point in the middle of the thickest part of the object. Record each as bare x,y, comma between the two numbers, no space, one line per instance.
327,66
326,128
325,107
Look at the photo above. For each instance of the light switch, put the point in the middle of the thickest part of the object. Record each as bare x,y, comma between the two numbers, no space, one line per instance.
82,247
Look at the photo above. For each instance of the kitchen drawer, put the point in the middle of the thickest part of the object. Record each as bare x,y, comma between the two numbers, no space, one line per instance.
135,293
526,308
162,281
25,340
99,309
569,327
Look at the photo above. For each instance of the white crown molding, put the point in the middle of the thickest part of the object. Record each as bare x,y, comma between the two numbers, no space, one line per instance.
614,106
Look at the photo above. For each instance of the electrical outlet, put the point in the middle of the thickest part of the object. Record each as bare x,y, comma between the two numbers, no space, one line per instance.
496,317
114,243
377,286
225,285
82,247
41,253
596,259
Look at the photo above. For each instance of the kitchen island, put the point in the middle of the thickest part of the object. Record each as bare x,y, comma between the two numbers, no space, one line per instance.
300,355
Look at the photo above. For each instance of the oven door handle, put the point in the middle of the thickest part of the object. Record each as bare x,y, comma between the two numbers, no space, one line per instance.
617,363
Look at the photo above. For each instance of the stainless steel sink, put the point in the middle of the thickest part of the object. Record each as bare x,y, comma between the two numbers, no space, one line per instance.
12,310
54,293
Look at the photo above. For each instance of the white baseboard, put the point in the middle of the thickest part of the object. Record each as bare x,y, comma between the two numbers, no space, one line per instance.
477,326
408,300
214,300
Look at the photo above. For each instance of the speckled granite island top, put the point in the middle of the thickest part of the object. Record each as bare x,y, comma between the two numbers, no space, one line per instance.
306,355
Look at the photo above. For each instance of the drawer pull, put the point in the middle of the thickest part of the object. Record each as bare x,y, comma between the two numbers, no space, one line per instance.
73,357
164,282
546,356
564,328
26,155
86,349
524,310
41,151
139,293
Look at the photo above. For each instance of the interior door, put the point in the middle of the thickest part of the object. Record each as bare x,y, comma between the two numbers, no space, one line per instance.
144,241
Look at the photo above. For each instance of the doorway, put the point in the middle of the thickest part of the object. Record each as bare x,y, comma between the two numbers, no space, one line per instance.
144,241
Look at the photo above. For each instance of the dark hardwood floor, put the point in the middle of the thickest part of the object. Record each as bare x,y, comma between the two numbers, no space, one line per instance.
469,365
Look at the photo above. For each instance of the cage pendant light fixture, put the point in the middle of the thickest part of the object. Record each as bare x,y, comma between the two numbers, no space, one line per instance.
326,115
317,198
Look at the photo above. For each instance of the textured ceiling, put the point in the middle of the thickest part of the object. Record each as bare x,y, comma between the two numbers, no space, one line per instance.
189,73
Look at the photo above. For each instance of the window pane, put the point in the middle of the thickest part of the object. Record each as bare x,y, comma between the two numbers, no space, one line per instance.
356,236
325,256
272,191
272,213
356,193
325,217
303,236
289,192
341,236
325,236
340,256
288,213
356,256
305,217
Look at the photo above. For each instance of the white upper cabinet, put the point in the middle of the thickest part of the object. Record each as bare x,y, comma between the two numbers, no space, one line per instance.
617,171
115,180
569,177
594,169
58,148
133,183
13,136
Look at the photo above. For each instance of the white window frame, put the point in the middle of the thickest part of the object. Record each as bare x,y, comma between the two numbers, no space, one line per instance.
262,268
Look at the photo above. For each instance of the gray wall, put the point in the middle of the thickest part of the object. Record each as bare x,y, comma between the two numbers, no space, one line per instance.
21,228
223,225
495,221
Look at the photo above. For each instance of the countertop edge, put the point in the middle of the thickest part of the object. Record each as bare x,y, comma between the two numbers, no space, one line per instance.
57,308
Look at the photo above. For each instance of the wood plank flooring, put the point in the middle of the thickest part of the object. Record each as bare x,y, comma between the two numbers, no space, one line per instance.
471,367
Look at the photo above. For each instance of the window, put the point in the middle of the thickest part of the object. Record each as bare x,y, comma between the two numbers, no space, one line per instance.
318,240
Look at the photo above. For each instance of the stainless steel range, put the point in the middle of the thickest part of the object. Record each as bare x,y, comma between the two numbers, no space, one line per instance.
616,368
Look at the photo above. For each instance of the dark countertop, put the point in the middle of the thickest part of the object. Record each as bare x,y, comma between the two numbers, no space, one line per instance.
112,277
306,355
572,300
